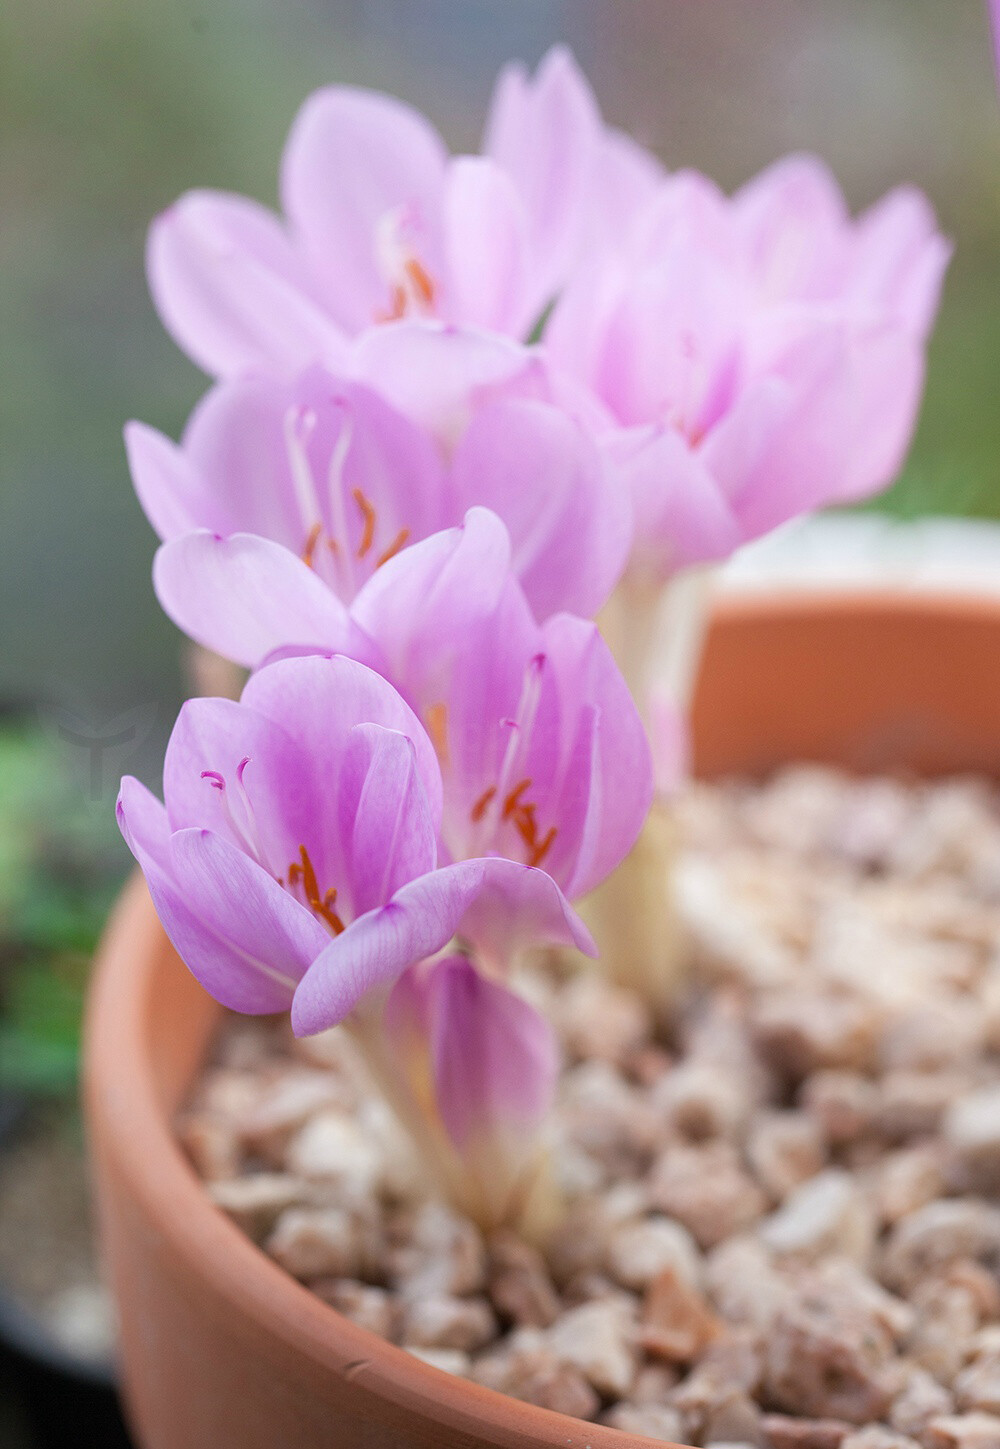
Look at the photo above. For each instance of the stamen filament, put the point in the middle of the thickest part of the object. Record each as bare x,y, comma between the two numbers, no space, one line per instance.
369,516
398,542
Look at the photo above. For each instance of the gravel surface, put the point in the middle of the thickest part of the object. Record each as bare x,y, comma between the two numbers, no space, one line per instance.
783,1214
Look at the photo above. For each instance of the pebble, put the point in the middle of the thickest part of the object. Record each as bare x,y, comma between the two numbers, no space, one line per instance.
316,1242
782,1229
827,1214
256,1202
826,1359
371,1308
677,1323
445,1322
707,1190
963,1431
640,1250
599,1339
784,1149
653,1421
972,1130
938,1233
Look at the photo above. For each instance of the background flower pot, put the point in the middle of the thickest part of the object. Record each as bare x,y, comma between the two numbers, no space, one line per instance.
221,1349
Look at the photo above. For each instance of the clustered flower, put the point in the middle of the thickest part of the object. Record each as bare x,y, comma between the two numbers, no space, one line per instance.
457,403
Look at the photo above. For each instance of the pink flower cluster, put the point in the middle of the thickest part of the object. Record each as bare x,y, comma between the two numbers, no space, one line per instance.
457,399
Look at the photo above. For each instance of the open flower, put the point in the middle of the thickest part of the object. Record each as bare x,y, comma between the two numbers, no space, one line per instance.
342,480
382,224
542,752
482,1063
758,357
295,863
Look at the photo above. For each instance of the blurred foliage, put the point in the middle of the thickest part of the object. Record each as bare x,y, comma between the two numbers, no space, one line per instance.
60,865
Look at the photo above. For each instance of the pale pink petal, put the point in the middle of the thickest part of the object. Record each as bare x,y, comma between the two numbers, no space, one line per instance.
489,274
682,514
794,223
544,132
166,484
357,163
569,518
495,1062
245,596
232,292
252,973
436,374
900,260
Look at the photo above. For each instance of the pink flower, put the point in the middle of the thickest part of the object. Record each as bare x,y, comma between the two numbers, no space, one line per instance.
342,480
757,357
487,1061
543,755
295,860
382,224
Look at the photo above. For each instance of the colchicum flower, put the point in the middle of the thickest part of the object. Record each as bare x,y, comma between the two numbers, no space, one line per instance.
381,224
294,862
342,480
758,357
542,751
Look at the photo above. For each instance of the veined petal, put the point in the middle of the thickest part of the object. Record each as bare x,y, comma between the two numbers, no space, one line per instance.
495,1062
490,901
240,979
384,814
230,289
355,162
247,940
318,701
245,596
518,906
602,787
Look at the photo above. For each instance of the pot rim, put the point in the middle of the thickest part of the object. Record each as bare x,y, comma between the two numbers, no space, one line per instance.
122,1095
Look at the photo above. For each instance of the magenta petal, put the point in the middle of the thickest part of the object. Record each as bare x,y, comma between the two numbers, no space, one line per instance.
247,941
354,162
384,814
570,521
494,1057
240,978
375,949
230,289
245,596
318,701
900,259
518,906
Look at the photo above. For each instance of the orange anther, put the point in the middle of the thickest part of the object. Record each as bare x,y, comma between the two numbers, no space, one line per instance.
482,804
422,283
394,547
369,515
437,728
311,541
321,906
513,800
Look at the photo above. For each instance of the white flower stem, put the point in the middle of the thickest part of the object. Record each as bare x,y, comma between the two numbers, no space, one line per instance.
657,634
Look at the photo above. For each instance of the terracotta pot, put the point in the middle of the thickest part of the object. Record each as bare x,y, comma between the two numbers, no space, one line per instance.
221,1349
